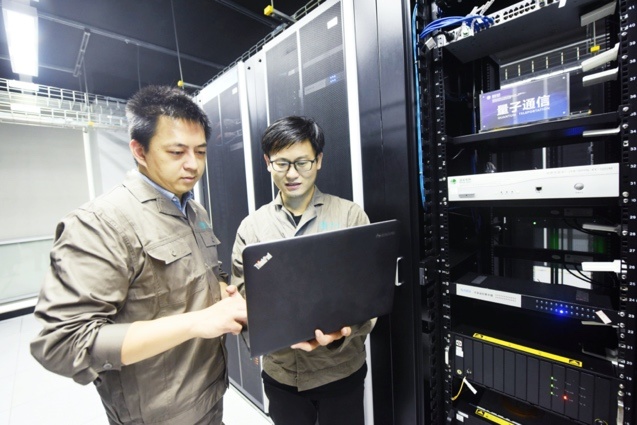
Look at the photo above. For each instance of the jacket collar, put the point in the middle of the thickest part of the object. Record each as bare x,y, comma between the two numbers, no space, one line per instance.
144,192
309,214
317,199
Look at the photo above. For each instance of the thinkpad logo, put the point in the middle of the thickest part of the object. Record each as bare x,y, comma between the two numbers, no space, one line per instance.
262,261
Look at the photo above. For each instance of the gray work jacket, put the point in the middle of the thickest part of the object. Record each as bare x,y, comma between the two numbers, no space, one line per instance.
131,255
272,221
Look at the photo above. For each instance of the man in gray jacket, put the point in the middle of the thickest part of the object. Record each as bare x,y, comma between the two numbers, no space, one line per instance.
322,378
135,301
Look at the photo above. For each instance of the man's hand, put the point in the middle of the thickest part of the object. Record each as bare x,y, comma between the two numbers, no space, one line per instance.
223,287
145,339
226,316
322,339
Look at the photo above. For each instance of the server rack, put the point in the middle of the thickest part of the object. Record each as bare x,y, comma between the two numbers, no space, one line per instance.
506,348
226,198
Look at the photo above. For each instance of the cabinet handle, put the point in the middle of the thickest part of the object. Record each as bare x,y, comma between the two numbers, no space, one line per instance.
397,281
601,132
600,77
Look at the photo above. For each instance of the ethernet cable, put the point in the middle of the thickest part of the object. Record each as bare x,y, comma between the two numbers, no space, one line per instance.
475,22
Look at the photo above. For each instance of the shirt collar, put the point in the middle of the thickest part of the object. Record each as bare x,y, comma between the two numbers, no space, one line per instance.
317,198
169,195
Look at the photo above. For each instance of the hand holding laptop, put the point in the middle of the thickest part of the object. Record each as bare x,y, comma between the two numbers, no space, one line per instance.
322,339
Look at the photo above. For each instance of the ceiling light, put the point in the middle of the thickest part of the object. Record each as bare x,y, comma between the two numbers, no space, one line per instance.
21,25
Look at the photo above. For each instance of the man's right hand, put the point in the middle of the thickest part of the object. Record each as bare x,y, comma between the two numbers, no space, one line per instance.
226,316
145,339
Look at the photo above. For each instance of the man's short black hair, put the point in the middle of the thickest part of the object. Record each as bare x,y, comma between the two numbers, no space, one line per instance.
151,102
289,130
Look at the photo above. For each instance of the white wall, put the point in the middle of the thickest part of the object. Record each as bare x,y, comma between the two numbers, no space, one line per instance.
42,177
45,173
115,159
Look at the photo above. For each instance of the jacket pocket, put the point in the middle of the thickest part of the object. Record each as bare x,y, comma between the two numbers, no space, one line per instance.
171,275
170,252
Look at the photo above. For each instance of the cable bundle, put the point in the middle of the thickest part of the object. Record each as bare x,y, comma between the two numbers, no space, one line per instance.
475,22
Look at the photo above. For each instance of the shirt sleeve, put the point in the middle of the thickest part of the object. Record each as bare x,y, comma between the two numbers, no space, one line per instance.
237,259
358,331
87,283
356,216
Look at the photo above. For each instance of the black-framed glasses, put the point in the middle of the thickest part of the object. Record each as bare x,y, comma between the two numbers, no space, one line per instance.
281,166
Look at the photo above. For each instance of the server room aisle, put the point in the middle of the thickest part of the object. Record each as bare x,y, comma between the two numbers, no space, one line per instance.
30,395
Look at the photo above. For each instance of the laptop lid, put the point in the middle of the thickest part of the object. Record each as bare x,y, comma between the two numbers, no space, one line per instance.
321,281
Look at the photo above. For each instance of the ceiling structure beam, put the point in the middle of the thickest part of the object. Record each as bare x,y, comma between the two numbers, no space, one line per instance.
125,39
238,8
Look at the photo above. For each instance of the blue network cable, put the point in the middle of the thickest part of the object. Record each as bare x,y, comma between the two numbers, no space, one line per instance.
476,22
421,166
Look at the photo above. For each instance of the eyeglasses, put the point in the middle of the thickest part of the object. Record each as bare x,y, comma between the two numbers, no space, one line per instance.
281,166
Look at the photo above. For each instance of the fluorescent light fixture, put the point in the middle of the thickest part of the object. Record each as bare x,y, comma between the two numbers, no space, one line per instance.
21,25
21,107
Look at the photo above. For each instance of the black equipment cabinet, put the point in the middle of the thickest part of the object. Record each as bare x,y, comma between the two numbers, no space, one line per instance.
527,230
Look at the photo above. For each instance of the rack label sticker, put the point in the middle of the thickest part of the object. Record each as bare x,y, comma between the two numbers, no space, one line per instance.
533,351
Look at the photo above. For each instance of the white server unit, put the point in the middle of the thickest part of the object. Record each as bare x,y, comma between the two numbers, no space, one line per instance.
587,181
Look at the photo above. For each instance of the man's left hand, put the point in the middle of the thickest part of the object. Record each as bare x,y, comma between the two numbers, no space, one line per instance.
322,339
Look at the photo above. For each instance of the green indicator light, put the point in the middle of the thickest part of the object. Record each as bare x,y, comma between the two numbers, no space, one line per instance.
554,240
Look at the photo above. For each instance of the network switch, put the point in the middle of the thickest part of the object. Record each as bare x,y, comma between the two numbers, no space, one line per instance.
555,300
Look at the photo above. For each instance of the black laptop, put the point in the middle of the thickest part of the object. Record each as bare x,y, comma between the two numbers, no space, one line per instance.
321,281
